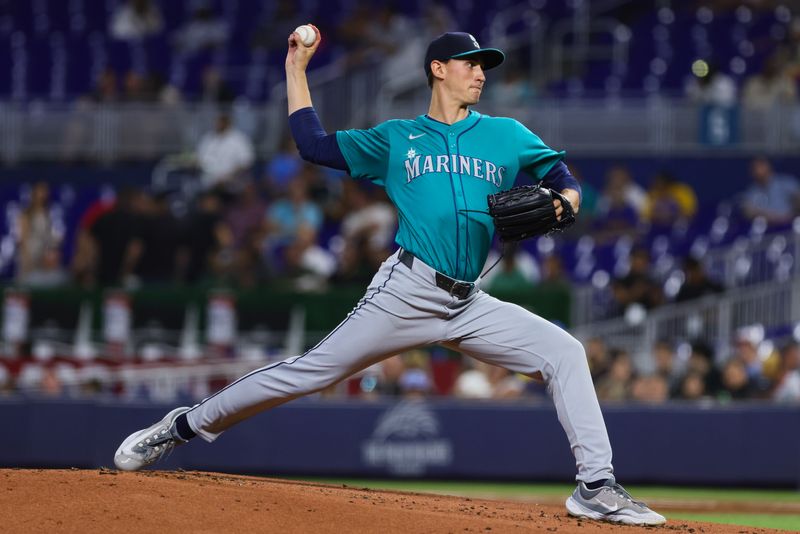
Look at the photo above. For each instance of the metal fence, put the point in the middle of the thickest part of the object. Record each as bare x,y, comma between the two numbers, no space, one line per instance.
774,307
109,133
752,259
755,259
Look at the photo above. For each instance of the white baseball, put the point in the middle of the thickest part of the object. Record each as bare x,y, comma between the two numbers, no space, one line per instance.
307,34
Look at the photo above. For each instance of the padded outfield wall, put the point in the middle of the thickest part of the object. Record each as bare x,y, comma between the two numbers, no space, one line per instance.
736,444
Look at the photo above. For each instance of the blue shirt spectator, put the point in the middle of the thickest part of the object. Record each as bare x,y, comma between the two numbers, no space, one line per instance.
772,196
289,216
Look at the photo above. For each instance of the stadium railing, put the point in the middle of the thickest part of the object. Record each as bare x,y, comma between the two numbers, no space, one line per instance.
771,306
624,126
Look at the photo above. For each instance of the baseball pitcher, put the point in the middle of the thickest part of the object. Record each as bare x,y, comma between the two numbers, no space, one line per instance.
450,174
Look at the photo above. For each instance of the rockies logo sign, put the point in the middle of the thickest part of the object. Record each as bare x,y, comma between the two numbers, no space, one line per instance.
406,441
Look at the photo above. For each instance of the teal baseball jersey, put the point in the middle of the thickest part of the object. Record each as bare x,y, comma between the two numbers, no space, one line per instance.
438,176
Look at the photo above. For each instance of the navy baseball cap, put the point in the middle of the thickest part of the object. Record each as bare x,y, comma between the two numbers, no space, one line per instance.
459,45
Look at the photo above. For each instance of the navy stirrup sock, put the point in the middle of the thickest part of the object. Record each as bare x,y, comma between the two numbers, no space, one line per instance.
591,485
183,429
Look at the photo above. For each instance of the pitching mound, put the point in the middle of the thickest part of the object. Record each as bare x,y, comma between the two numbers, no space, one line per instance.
105,501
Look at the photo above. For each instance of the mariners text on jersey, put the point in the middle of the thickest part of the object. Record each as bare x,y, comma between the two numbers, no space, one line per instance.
418,165
442,217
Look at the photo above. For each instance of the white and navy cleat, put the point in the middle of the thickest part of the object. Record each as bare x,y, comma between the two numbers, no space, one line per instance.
611,502
145,447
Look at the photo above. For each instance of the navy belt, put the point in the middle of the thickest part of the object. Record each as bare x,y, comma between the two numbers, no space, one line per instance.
456,288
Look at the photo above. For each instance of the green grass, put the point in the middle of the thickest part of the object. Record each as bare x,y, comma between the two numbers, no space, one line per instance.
781,521
520,490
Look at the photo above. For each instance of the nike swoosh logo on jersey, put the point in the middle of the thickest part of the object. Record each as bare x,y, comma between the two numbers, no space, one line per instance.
412,136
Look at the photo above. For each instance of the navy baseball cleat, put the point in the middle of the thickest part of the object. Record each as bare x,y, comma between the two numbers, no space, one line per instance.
145,447
610,502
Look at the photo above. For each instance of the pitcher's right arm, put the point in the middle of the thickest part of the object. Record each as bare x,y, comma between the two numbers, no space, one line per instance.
313,143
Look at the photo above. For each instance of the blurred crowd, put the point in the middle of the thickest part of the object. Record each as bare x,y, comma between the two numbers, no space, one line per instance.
757,370
393,39
661,239
366,34
236,226
232,220
238,221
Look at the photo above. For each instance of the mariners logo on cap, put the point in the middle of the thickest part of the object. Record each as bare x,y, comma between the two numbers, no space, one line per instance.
474,41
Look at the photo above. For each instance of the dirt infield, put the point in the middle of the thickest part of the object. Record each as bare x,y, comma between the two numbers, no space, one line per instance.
106,501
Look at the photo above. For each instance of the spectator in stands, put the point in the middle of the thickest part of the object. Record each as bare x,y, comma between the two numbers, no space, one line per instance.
514,89
38,238
599,357
473,381
480,380
415,380
283,167
245,216
518,268
391,369
516,271
366,233
668,202
135,88
505,384
619,207
736,384
207,245
225,156
620,180
245,221
712,88
389,32
435,19
350,32
293,226
6,382
84,257
666,366
554,276
590,198
701,362
325,187
748,349
153,252
50,273
692,387
112,233
787,386
773,196
105,89
204,31
415,383
650,389
51,384
136,19
771,86
696,282
638,286
379,36
215,89
251,270
615,386
293,212
278,18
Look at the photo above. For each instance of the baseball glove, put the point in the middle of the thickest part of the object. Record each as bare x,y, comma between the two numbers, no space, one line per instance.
527,211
